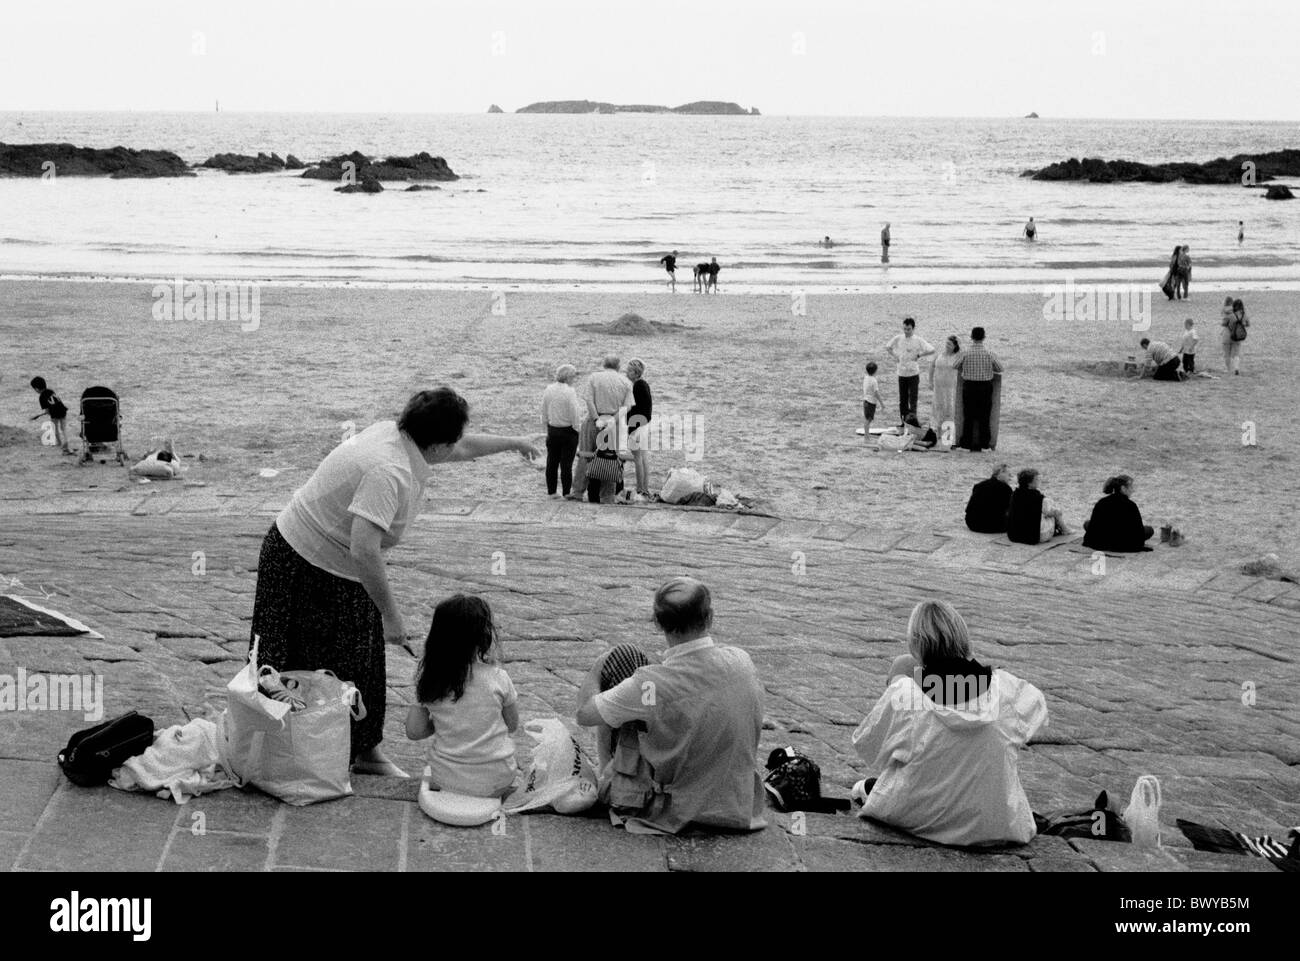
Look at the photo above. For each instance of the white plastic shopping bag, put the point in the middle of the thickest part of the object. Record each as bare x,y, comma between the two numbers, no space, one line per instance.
1143,812
300,755
682,482
561,776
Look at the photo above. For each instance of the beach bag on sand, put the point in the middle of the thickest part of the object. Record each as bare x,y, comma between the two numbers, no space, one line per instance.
682,482
1143,812
1167,285
560,776
298,749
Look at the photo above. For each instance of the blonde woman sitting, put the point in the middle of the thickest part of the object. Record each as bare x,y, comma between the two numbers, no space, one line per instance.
944,737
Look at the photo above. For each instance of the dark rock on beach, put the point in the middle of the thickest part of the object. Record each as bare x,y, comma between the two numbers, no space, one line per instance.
233,163
420,166
293,163
364,185
1279,192
1267,166
28,160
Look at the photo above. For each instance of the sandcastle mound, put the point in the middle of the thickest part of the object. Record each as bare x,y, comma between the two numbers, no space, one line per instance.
631,325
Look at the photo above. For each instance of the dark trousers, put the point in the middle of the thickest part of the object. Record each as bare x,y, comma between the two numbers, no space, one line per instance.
561,448
1189,363
977,406
1168,370
908,389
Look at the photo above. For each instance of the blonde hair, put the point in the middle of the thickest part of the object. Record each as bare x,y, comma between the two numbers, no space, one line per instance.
935,629
638,365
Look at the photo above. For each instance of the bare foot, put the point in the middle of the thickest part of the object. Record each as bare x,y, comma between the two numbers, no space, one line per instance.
376,762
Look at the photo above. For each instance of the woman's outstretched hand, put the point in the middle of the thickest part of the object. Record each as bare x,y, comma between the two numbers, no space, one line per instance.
530,449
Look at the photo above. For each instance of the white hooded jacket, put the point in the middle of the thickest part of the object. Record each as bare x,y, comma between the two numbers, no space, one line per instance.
949,773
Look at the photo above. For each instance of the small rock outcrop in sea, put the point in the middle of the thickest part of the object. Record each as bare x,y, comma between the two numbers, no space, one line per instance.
495,109
1031,116
422,187
1279,192
293,163
1266,166
234,163
363,185
420,166
33,160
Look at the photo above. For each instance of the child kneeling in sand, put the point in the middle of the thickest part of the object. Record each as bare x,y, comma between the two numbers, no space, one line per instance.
465,702
943,739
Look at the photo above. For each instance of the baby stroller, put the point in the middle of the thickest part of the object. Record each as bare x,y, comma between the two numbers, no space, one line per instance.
101,423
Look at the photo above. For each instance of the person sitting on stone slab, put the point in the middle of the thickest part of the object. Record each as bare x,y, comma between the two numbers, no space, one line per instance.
1116,523
702,710
986,511
944,737
1031,517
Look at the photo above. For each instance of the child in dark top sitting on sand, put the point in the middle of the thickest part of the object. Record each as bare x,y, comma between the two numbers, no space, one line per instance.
986,511
56,409
1031,517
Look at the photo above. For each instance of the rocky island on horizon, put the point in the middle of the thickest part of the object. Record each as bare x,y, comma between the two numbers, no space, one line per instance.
1260,167
714,107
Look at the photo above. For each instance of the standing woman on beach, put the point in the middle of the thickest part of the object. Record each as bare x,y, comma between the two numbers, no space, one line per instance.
943,380
562,415
638,416
1234,326
1170,284
323,599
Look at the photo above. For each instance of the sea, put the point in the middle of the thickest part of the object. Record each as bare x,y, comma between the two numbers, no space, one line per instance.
593,202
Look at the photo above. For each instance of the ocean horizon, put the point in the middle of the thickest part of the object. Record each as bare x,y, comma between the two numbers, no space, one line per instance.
593,201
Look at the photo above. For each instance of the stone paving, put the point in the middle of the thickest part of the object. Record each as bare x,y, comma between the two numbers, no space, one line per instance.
1147,668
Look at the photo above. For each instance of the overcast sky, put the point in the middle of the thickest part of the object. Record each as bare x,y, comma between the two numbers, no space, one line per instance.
1213,59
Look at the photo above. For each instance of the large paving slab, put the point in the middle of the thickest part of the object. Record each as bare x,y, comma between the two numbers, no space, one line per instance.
1191,675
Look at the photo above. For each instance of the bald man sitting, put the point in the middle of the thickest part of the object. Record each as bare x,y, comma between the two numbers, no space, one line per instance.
685,730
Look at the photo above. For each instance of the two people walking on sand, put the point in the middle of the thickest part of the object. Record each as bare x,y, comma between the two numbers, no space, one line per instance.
1179,275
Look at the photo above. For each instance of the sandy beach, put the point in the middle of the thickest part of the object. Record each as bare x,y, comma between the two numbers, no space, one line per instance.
778,394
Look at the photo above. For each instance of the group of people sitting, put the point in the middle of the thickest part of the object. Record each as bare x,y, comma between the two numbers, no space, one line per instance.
1027,516
677,736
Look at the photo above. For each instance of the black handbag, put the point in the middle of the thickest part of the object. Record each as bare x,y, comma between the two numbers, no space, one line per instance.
91,755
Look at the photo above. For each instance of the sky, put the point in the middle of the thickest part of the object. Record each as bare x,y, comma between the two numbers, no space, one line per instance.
1193,59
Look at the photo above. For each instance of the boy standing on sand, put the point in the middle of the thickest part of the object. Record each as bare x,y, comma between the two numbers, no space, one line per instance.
908,350
670,264
58,411
870,399
1188,345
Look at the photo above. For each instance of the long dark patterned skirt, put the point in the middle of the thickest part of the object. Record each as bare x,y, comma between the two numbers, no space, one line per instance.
309,620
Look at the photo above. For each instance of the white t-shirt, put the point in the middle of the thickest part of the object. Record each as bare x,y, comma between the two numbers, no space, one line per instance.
471,751
378,474
1190,340
871,389
909,351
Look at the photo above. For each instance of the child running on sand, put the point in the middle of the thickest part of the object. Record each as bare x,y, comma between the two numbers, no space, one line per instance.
57,410
870,398
465,702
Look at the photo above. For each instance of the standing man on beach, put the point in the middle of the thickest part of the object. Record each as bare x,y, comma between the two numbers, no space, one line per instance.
908,349
670,264
1031,230
977,368
884,245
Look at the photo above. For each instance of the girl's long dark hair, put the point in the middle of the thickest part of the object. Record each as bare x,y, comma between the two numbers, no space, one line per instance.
462,634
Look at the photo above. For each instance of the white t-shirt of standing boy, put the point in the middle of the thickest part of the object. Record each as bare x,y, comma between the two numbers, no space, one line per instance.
909,351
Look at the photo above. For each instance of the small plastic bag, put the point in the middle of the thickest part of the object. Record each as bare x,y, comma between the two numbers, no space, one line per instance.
1143,812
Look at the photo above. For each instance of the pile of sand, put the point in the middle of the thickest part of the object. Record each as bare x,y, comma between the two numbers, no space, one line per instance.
12,436
631,325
